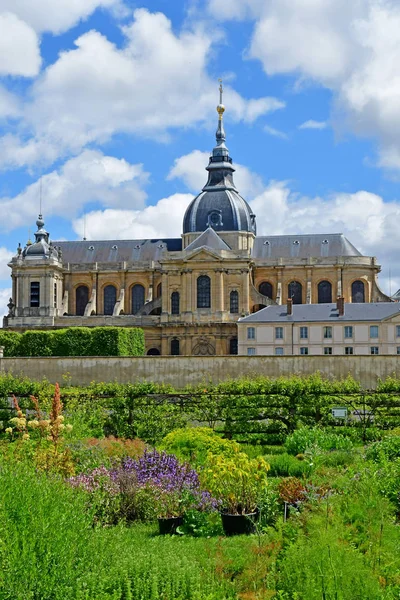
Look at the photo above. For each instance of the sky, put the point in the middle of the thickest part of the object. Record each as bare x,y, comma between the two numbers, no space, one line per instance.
107,113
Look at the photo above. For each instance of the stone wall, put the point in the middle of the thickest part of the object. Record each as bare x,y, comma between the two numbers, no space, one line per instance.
180,371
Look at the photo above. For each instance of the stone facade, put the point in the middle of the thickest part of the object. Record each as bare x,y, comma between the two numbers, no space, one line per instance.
186,293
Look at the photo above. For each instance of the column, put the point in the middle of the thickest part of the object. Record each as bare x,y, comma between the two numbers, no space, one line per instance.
193,277
189,303
220,291
245,292
279,287
164,292
309,288
339,284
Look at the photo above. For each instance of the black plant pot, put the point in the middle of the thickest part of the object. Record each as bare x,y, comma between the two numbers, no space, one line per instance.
169,525
239,524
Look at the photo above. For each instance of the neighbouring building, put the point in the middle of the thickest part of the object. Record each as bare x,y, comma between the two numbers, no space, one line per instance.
187,293
338,329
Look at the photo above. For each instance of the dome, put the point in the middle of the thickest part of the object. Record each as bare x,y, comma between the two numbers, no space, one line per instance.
219,205
40,248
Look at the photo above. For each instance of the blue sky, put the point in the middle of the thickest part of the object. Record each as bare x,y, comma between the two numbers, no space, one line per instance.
110,104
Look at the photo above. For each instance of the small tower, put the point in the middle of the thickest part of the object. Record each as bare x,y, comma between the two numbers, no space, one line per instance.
219,205
37,277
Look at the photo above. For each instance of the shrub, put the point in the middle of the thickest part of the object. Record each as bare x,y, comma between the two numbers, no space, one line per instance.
37,343
73,341
195,443
10,340
306,437
237,482
388,448
117,341
285,465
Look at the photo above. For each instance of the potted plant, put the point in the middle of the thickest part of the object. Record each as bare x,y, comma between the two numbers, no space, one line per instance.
237,483
172,487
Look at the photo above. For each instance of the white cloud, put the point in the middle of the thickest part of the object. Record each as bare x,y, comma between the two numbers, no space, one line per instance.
19,47
9,104
156,82
5,257
352,48
89,177
162,220
190,168
311,124
5,295
275,132
55,16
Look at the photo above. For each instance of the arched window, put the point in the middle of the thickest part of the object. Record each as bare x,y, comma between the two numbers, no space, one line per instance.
109,298
159,290
203,292
295,292
233,346
357,291
234,302
175,303
324,292
137,298
175,347
265,288
81,299
153,352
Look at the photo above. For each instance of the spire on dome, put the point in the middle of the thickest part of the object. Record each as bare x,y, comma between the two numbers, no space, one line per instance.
220,152
41,233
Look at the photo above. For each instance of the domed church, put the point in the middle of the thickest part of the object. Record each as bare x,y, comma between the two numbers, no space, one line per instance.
186,293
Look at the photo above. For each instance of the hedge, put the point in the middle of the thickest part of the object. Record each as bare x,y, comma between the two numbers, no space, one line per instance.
75,341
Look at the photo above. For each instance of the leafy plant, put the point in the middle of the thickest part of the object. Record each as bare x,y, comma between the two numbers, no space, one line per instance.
238,483
306,437
194,443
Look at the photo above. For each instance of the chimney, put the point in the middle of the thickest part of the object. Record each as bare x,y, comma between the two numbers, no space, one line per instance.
340,305
289,306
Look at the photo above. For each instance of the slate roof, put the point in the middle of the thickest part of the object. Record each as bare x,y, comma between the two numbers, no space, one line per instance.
324,312
210,239
303,246
111,251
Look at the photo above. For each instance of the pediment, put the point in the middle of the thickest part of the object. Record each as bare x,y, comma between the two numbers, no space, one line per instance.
203,254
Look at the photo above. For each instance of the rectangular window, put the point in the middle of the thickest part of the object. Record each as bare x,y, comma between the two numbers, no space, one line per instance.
328,332
279,333
348,331
374,331
398,349
251,351
374,350
55,295
35,294
348,350
251,333
397,330
303,351
279,351
303,333
327,350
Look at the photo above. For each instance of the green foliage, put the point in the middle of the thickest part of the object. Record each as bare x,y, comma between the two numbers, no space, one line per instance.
285,465
194,443
238,482
10,340
75,341
306,437
388,448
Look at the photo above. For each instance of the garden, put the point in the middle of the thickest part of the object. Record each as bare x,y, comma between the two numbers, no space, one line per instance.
251,489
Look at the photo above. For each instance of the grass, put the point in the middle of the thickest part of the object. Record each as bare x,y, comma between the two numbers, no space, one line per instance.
343,544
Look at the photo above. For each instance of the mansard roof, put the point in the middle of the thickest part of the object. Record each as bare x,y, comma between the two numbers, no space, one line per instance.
112,251
303,246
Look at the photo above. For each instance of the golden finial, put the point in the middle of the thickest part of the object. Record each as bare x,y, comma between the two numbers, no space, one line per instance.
220,107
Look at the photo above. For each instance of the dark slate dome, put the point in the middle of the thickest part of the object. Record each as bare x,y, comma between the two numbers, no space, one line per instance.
219,205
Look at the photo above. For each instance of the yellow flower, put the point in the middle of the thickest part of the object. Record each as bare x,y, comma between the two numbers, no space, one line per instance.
25,436
9,430
68,427
33,424
60,418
